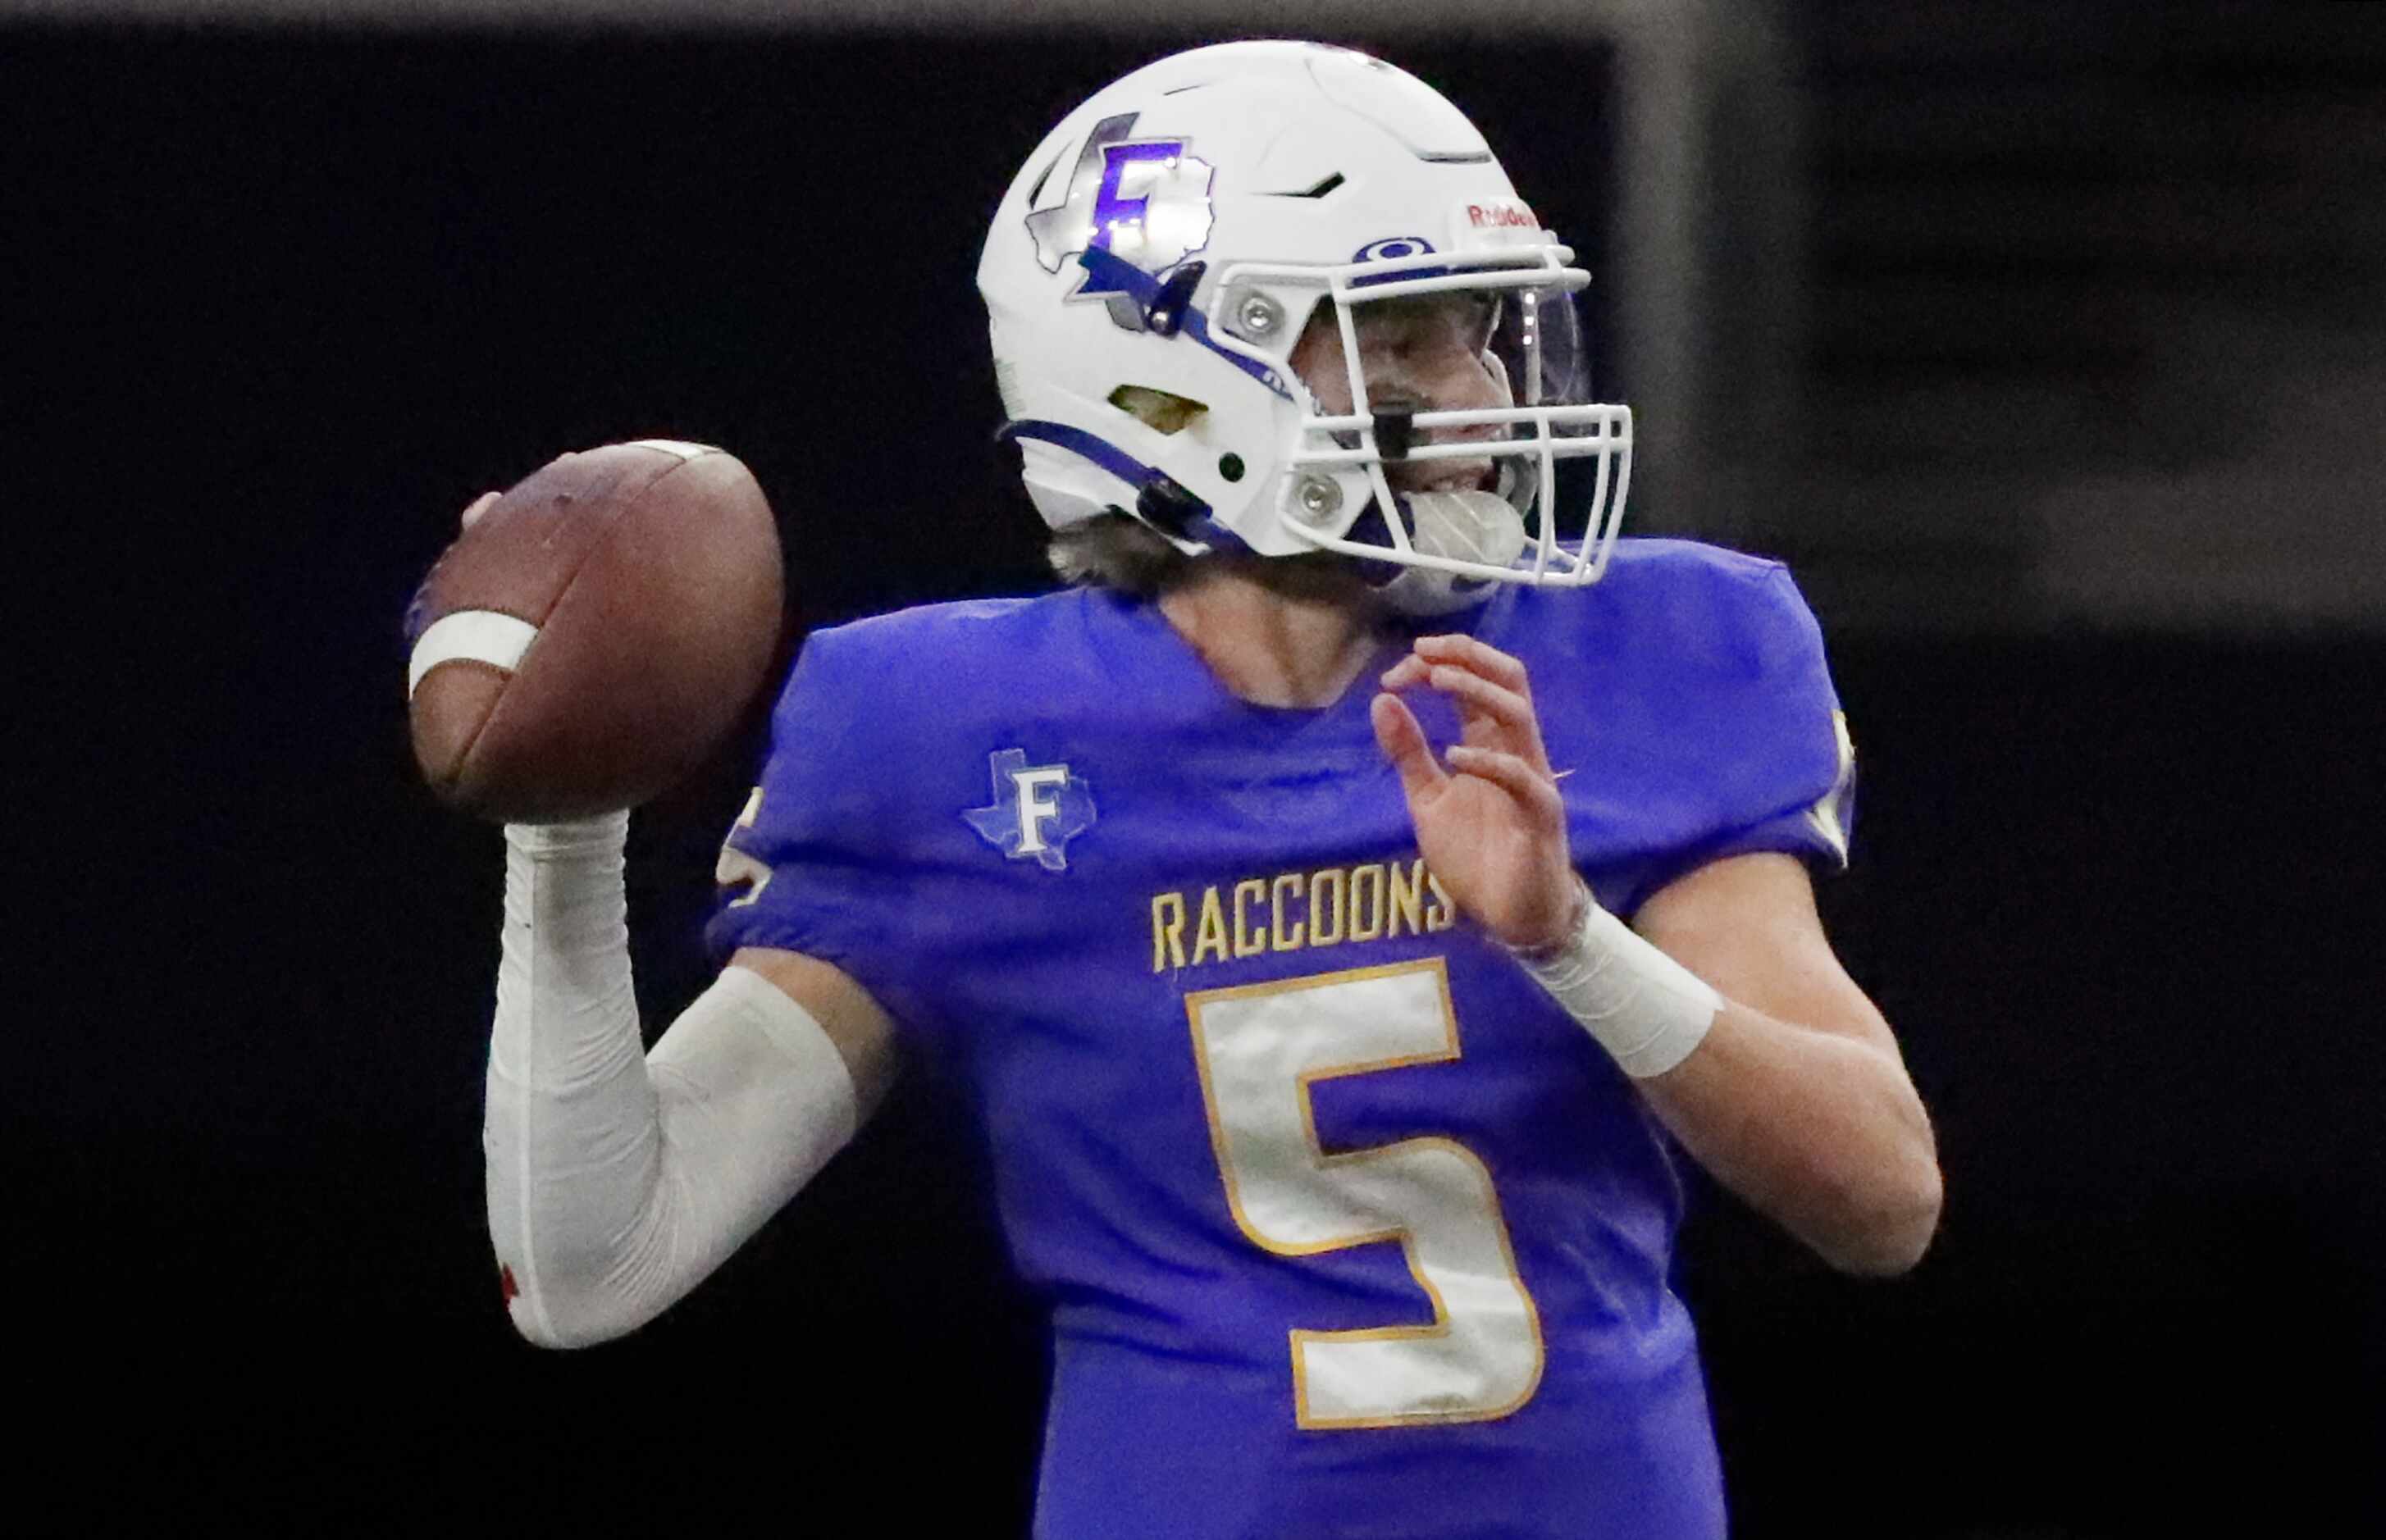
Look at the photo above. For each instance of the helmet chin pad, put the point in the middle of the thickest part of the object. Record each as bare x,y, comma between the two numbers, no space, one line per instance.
1464,526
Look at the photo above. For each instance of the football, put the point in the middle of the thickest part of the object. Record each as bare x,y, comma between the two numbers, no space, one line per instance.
594,633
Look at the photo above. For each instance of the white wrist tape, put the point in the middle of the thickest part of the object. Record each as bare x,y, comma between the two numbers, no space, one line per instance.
617,1180
1646,1009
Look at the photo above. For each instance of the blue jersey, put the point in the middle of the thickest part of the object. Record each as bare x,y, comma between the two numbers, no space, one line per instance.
1346,1228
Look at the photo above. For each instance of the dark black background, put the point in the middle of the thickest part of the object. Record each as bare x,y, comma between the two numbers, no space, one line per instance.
281,301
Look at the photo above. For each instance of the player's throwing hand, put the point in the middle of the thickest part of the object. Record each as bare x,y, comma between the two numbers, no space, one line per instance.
1492,826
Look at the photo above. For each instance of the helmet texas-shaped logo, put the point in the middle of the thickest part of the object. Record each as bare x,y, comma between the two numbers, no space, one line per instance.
1145,201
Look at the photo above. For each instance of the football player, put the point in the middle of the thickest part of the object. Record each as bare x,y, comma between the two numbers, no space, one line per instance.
1332,901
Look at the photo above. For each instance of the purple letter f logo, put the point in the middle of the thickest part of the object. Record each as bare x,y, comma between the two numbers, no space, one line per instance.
1111,211
1146,204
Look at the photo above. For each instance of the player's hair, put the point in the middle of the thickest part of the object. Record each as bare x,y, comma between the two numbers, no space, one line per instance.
1118,551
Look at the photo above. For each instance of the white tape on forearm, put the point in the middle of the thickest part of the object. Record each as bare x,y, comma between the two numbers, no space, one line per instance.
469,636
1646,1009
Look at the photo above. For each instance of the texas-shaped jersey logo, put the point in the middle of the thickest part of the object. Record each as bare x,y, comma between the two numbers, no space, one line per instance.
1144,201
1037,810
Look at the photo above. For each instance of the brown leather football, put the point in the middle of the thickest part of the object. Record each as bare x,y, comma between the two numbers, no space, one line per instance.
594,633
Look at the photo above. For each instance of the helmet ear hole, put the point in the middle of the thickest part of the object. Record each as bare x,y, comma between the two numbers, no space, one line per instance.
1161,411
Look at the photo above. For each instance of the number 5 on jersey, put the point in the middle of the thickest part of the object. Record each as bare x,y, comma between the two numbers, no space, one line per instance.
1259,1049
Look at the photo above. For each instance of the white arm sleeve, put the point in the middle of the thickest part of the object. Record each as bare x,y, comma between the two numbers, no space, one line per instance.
617,1180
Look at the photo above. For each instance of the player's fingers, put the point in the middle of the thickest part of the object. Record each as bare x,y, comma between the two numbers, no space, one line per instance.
1402,741
1480,657
1482,704
1515,775
478,507
1408,672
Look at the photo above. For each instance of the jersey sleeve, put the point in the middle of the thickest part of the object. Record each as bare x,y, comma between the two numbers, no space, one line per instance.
810,865
1775,738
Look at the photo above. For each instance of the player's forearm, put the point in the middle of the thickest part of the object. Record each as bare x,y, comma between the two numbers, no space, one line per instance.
571,1133
1819,1130
617,1180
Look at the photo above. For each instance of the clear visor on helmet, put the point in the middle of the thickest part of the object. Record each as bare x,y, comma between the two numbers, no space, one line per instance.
1466,381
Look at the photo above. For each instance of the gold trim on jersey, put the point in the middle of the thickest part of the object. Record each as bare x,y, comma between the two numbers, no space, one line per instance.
1828,816
735,866
1473,1202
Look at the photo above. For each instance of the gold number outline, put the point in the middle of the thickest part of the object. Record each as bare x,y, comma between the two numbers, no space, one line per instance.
1300,1336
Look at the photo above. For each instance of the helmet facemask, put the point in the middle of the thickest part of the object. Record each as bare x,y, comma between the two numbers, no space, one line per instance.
1434,541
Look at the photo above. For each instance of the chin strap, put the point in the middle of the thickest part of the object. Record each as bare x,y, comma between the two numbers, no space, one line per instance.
1161,501
1466,526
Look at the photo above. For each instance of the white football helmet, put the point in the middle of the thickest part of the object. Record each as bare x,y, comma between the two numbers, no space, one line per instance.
1173,237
